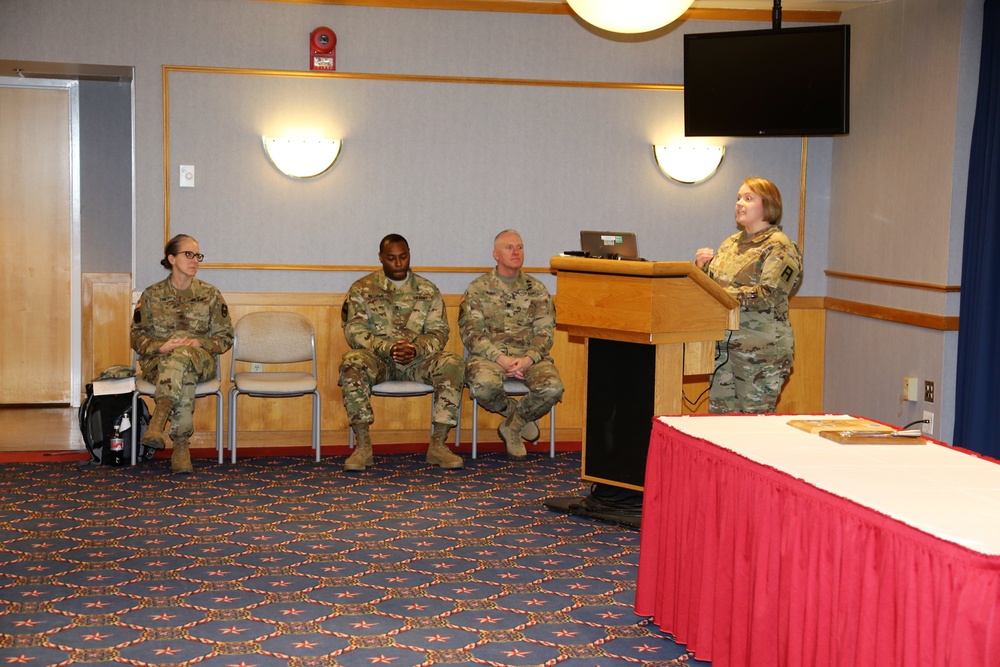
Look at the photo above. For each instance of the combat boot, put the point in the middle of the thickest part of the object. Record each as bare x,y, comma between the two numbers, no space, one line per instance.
510,433
180,460
155,435
530,432
438,453
530,429
362,456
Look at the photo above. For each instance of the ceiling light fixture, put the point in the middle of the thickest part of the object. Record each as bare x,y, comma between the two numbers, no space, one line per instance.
302,158
629,16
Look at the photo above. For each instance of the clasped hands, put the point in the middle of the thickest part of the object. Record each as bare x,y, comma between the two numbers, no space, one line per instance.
403,352
175,343
514,367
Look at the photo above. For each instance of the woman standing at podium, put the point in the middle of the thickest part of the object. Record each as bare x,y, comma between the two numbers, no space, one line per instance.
759,266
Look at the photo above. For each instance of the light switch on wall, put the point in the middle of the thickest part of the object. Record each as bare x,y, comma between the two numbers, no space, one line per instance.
187,175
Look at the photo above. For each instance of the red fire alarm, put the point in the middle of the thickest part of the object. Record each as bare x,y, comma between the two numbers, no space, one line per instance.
322,49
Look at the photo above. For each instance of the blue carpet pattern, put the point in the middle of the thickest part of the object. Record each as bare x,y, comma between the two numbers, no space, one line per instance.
285,562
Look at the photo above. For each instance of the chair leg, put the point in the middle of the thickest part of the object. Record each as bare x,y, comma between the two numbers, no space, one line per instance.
475,426
316,426
135,423
552,432
458,427
218,425
233,395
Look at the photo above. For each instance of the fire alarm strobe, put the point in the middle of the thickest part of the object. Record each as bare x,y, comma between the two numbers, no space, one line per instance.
322,49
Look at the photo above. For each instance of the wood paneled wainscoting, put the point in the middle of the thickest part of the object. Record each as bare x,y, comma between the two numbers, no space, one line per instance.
286,422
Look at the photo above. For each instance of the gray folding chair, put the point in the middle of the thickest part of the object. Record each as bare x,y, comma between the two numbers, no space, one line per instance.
404,389
206,388
274,338
513,387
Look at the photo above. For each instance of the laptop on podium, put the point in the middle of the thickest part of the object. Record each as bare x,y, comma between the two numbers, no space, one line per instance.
609,245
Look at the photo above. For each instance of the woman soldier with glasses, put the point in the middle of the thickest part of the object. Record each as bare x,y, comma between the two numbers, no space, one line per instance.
178,327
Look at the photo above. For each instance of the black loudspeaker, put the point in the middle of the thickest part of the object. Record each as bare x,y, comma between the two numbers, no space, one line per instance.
621,381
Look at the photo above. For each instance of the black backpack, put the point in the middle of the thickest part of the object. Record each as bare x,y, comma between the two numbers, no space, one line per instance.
101,416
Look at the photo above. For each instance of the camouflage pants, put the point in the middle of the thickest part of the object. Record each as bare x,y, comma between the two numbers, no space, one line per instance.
749,382
485,380
175,375
360,370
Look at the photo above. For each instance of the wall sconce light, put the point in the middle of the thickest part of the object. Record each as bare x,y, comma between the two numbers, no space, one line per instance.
688,163
629,16
302,158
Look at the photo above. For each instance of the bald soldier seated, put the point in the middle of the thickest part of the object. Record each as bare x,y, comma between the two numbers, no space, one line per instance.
507,321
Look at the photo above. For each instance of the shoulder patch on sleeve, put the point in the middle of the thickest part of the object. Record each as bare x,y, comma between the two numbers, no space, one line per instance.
788,274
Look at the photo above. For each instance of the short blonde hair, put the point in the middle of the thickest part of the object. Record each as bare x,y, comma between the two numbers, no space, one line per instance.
769,195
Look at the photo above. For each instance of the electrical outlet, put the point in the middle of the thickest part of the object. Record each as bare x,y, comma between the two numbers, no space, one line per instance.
256,368
928,428
928,391
909,389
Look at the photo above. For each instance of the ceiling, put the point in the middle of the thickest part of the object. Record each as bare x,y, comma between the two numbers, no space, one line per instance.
786,5
511,5
824,11
701,9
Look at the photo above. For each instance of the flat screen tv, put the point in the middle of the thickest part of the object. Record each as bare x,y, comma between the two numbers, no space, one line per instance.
785,82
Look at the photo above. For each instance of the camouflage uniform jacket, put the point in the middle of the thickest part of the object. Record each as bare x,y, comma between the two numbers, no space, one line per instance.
379,314
760,272
517,320
163,312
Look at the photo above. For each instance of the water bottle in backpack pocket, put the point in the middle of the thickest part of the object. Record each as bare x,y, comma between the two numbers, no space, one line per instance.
106,423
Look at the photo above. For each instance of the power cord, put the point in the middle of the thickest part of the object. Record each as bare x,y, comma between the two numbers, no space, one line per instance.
919,421
711,379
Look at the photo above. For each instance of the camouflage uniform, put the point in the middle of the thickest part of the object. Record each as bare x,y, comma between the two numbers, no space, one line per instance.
760,272
515,320
165,312
378,314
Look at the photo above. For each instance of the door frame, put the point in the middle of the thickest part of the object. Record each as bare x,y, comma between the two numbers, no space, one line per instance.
75,297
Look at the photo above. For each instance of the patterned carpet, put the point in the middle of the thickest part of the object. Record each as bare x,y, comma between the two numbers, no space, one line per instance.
282,561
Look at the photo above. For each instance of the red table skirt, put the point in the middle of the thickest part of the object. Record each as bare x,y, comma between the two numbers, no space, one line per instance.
749,567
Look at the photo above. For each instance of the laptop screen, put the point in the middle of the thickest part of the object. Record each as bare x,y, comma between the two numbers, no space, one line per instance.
609,245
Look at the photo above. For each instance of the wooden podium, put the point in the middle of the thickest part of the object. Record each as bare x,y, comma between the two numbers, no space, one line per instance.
646,325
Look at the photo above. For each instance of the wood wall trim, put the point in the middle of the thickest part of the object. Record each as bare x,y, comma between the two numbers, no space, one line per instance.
807,303
426,78
893,282
357,267
269,299
898,315
909,317
557,8
327,298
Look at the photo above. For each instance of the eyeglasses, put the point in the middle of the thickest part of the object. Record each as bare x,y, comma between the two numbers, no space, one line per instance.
192,255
